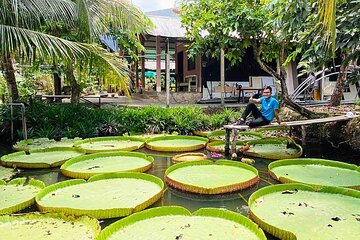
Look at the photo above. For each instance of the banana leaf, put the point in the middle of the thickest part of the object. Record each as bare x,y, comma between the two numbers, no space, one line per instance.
18,194
101,163
44,158
49,226
107,144
207,177
316,172
178,223
102,196
176,143
297,211
274,148
189,157
43,143
219,146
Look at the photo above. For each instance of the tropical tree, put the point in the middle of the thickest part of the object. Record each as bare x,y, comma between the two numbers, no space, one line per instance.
236,26
20,22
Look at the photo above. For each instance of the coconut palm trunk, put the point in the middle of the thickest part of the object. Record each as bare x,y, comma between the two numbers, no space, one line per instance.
75,87
9,75
340,87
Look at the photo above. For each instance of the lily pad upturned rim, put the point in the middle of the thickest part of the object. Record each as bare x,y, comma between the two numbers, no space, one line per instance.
201,156
177,210
217,190
98,213
279,140
310,161
214,146
91,222
101,139
281,233
83,175
21,145
20,181
199,146
217,133
7,162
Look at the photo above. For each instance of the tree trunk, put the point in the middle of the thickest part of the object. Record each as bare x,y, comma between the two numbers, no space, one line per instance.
75,87
57,83
284,92
9,75
339,88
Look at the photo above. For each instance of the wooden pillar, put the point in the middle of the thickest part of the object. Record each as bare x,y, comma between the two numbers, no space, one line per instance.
137,73
143,70
167,79
233,141
222,77
158,64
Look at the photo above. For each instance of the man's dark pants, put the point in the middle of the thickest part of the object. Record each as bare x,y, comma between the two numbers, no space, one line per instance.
259,119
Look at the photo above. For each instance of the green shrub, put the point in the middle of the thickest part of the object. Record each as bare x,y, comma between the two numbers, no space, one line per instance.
66,120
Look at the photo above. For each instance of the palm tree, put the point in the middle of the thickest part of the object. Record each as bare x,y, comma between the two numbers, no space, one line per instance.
20,21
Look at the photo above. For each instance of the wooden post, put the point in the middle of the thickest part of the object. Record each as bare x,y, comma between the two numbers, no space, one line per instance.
227,143
158,64
143,70
167,73
233,141
303,135
222,77
137,73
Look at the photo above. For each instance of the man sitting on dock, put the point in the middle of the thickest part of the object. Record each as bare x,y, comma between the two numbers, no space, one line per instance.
269,110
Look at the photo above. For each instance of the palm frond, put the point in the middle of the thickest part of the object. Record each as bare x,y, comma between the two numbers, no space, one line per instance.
327,14
32,14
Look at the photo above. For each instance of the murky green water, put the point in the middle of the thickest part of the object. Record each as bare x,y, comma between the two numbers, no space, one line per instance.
236,202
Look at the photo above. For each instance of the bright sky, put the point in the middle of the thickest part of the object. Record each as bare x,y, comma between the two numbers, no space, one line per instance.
151,5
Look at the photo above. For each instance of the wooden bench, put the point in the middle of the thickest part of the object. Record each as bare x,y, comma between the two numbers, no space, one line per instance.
231,136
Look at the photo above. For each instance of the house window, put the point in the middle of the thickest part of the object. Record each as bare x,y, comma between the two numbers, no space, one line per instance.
191,64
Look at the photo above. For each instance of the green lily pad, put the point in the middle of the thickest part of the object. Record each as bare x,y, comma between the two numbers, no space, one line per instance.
18,195
316,172
43,143
274,148
102,196
101,163
50,226
219,146
207,177
7,173
106,144
241,135
179,223
45,158
189,157
176,143
295,211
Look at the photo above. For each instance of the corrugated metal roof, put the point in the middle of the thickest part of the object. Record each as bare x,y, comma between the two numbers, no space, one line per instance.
167,27
168,12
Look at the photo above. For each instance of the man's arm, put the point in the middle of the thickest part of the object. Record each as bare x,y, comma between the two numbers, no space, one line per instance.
276,111
254,100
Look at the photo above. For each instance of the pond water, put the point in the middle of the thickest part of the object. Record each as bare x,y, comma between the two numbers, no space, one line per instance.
236,202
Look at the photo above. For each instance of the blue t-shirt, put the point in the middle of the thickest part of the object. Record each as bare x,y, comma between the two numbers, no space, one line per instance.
268,106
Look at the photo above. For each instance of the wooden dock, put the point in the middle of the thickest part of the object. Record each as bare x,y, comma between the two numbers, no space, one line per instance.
231,130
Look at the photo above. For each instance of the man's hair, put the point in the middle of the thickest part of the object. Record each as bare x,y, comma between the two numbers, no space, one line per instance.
268,88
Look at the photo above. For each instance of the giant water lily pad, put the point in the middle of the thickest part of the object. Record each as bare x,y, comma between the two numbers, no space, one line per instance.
178,223
316,172
17,194
295,211
189,157
106,144
43,143
176,143
101,163
50,226
219,146
274,148
102,196
241,135
7,173
207,177
45,158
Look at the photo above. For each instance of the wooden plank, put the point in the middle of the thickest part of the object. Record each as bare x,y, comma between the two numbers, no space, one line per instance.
296,123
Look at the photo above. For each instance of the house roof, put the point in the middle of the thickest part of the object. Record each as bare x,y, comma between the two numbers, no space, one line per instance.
167,27
163,12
